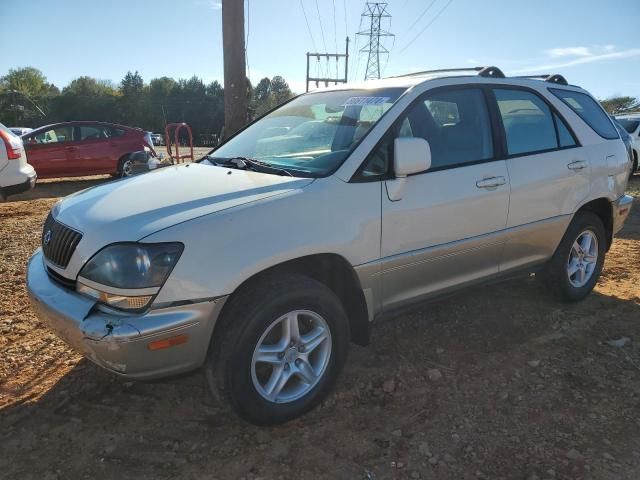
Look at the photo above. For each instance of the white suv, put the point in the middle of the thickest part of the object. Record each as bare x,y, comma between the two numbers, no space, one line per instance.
262,264
16,175
631,123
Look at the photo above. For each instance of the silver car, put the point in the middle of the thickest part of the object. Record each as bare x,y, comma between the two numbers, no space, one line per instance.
261,266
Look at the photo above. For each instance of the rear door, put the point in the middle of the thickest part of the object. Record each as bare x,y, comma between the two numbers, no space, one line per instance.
50,151
549,173
447,229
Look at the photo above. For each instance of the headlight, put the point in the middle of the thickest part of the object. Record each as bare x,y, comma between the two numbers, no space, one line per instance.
128,275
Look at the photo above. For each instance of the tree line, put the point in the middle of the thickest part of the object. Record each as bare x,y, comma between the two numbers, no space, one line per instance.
27,99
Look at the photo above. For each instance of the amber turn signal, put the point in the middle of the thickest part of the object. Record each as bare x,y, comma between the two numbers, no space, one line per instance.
168,342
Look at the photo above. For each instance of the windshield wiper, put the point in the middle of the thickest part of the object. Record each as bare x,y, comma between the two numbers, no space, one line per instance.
245,163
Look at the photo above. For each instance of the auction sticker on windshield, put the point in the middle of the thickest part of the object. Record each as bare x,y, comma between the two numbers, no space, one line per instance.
366,101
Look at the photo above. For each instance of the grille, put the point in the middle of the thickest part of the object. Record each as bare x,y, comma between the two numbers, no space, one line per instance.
59,242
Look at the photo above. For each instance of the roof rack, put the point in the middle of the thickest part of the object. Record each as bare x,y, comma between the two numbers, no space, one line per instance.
494,72
491,72
548,77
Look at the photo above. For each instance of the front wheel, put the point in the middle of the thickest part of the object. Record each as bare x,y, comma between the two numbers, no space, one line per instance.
577,263
286,343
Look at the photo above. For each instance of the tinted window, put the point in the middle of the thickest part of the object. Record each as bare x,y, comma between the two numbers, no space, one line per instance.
53,135
456,125
92,132
115,132
588,110
564,135
527,121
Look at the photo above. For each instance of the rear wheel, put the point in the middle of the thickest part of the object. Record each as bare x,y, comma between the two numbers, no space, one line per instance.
125,167
286,342
577,263
634,168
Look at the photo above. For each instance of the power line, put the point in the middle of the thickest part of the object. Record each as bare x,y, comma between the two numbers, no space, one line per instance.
324,44
344,7
308,26
426,26
421,15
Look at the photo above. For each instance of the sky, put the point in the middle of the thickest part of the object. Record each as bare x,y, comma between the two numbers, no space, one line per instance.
594,44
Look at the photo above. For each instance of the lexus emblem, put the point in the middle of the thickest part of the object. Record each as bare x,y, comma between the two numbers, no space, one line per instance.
47,237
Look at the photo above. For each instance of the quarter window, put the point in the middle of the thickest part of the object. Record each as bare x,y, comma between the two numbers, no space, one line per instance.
564,135
527,121
589,111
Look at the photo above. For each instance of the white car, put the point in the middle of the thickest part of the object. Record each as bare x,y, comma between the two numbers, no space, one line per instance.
261,271
631,123
19,131
16,175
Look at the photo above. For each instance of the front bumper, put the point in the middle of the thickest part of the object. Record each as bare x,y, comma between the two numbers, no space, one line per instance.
120,343
621,209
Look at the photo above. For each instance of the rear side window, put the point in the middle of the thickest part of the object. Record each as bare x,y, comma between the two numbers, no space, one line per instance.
528,122
589,111
92,132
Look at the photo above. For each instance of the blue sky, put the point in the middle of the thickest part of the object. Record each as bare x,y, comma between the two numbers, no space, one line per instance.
593,43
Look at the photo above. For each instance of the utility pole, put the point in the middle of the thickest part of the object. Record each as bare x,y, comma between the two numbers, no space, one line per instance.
375,12
235,83
326,56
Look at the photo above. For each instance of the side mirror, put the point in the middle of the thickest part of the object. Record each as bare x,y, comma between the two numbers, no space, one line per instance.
410,155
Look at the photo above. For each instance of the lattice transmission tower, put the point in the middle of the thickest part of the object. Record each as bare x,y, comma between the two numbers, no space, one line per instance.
376,13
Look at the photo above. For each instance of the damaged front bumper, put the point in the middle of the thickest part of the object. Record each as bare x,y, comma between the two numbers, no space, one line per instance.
121,343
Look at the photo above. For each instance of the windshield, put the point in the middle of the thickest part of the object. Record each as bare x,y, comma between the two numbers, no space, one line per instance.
628,124
313,134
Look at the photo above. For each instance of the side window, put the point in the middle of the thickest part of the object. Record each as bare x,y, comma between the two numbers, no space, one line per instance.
564,135
456,124
527,121
54,135
92,132
589,111
114,132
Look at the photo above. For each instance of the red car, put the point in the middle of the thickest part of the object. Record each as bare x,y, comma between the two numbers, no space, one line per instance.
73,149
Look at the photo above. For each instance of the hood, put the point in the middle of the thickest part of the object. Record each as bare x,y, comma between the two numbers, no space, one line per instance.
133,208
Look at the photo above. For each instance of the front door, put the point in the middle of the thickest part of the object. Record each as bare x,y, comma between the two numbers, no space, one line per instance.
49,151
447,229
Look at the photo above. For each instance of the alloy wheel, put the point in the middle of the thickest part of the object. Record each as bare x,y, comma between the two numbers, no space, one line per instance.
291,356
583,258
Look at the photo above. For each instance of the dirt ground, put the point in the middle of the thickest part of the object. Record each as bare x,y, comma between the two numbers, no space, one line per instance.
498,382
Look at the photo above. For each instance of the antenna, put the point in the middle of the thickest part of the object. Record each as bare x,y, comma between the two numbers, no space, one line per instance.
375,12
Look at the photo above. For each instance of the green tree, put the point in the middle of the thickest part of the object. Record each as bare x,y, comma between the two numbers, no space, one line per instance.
24,96
131,100
617,105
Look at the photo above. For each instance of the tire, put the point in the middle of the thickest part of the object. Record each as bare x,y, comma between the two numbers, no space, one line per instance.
557,274
258,316
634,168
122,168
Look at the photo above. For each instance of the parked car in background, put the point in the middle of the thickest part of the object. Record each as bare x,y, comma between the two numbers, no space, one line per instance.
262,268
72,149
16,175
19,131
157,139
631,123
628,142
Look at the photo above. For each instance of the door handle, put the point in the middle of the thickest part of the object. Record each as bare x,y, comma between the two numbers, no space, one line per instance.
491,182
577,165
70,149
